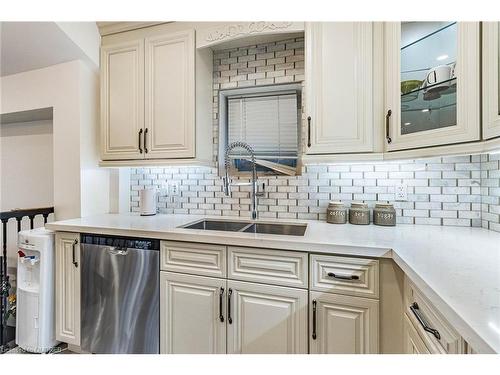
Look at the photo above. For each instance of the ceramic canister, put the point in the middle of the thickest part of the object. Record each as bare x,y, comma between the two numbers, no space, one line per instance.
359,213
336,213
384,214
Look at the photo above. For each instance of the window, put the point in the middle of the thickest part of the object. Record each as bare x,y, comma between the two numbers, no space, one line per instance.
268,119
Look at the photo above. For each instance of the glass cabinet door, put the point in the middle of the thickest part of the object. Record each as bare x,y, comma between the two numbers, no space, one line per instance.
491,80
428,73
428,76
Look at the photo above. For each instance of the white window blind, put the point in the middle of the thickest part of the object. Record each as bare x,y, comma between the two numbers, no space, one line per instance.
267,123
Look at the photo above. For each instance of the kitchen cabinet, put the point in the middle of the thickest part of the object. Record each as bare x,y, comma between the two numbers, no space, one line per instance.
67,286
266,319
122,100
192,314
342,324
148,96
491,79
412,342
432,90
339,84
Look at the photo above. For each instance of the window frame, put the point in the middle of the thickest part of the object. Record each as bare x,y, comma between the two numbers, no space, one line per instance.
255,91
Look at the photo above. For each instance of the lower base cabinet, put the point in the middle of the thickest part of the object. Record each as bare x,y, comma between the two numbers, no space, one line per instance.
412,342
203,315
266,319
342,324
190,312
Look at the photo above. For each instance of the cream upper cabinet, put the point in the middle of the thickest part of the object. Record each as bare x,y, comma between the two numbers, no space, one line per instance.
342,324
266,319
148,96
192,314
339,84
67,280
122,100
170,95
432,93
491,80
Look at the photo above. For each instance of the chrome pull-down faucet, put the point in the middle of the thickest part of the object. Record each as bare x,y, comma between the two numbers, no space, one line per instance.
227,181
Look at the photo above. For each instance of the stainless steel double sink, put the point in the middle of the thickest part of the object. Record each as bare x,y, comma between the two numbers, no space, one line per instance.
287,229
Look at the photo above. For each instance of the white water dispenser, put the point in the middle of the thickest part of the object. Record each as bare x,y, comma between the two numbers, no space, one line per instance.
35,321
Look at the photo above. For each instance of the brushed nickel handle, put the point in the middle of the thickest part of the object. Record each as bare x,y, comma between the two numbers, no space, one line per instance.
415,310
140,134
75,263
387,126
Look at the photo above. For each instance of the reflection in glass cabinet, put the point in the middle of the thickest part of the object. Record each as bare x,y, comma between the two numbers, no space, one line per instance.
428,76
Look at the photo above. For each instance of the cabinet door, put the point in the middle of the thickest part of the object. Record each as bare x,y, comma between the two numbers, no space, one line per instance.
432,84
491,80
339,68
170,96
192,314
413,343
122,100
67,279
343,324
266,319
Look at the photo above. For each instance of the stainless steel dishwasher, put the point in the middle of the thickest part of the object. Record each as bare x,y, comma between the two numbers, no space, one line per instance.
120,295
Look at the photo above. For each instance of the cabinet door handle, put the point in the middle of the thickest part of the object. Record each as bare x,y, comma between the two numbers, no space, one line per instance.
145,140
342,277
309,131
221,314
229,293
314,320
387,126
415,310
140,134
75,263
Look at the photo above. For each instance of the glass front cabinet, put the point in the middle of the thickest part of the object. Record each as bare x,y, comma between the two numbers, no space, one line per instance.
491,80
432,93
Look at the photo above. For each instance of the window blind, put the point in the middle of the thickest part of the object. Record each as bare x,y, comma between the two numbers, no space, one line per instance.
267,123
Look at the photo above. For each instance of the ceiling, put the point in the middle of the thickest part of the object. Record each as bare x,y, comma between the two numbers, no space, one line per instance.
34,45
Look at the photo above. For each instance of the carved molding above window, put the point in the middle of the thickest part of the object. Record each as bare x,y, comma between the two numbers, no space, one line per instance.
233,31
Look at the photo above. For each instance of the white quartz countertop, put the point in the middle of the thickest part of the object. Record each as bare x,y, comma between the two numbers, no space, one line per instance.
457,268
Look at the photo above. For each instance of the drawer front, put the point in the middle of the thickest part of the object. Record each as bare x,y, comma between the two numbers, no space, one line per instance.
345,275
448,340
194,259
286,268
413,343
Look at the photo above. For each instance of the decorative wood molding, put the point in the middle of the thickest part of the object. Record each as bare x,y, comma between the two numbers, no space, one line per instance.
232,31
108,28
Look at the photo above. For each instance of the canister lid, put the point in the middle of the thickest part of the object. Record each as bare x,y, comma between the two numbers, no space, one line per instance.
359,205
384,205
336,204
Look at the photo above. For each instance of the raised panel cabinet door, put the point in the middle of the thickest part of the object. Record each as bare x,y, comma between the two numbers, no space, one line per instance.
491,80
192,314
264,319
122,100
170,96
432,78
67,280
342,324
339,84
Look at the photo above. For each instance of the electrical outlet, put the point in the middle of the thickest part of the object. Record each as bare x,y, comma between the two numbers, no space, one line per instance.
401,193
173,189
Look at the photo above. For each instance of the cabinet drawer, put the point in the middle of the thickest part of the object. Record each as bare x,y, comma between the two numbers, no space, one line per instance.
345,275
446,339
413,343
192,258
287,268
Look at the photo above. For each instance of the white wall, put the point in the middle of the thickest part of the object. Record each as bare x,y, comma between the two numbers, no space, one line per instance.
26,165
80,187
86,36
